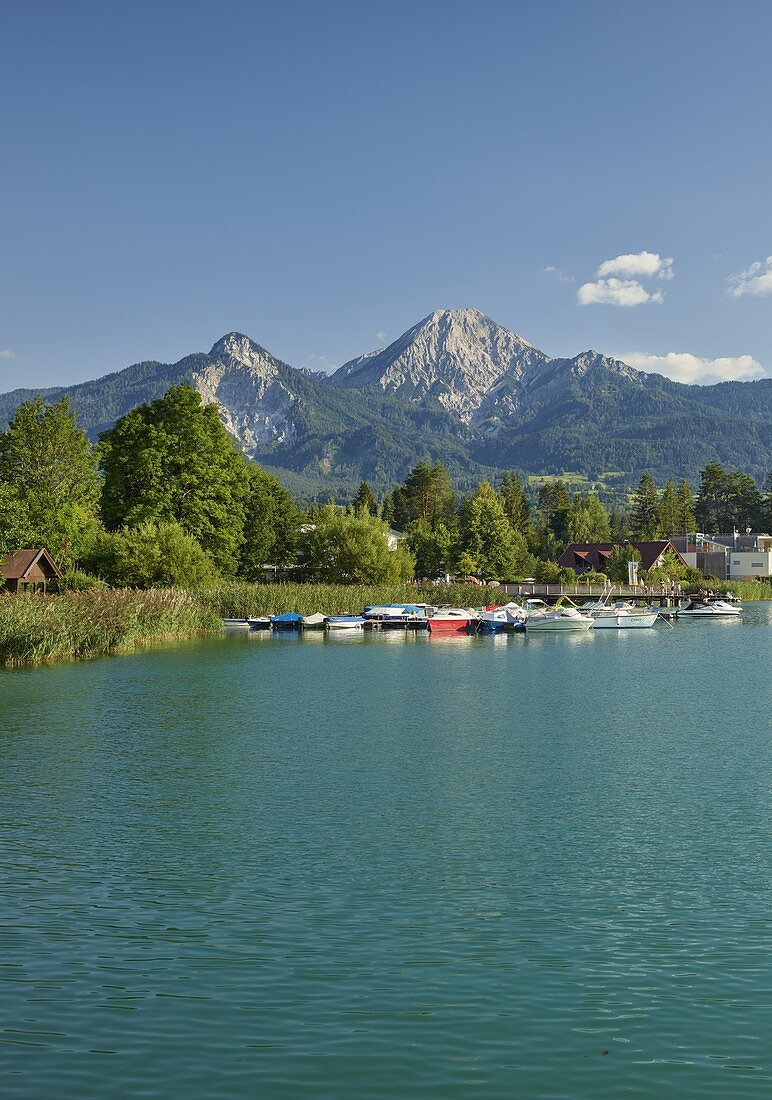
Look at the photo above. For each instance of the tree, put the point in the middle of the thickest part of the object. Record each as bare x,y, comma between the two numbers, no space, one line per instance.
616,566
711,499
645,516
669,511
515,503
150,556
434,548
487,538
364,501
49,469
670,569
425,494
686,519
553,511
172,461
271,525
587,520
341,546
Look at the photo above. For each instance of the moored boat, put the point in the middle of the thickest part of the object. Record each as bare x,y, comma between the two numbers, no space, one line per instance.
707,607
624,619
261,622
501,620
344,622
450,620
236,624
313,622
558,618
290,620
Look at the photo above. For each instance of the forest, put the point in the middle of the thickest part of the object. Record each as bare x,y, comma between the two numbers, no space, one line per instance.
166,498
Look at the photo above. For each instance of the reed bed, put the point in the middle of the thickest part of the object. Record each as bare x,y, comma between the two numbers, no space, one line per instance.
242,600
38,629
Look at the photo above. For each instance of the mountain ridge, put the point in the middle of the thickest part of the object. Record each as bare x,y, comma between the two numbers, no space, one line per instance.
455,387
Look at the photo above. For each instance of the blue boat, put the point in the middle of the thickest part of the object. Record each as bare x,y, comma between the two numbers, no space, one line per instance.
290,620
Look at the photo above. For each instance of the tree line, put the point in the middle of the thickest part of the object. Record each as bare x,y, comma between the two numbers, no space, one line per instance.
166,497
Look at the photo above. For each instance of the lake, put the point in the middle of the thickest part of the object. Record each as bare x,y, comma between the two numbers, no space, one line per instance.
388,866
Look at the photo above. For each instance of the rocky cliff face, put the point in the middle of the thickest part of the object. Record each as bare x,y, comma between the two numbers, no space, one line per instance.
252,390
457,357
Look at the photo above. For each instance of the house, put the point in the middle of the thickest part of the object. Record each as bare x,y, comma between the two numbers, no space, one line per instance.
28,569
583,557
729,557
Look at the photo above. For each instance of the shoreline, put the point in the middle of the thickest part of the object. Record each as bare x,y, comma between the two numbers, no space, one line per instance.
37,630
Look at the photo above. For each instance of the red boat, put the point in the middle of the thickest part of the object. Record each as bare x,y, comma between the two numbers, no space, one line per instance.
450,620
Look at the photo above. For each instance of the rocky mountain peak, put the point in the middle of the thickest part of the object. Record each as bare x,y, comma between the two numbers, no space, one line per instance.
453,356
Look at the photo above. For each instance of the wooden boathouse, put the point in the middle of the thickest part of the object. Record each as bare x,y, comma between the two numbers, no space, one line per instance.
28,571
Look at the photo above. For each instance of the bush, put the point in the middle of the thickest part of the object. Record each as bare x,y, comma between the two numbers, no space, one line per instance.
77,581
150,556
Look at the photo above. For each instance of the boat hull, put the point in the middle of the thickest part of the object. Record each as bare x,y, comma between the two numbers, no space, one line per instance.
625,622
575,625
448,626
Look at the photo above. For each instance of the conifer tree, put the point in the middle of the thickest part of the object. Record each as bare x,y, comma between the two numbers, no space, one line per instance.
645,515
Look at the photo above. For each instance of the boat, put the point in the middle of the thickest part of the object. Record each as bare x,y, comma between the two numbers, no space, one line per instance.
501,620
710,607
558,618
451,620
398,616
624,618
261,622
621,615
313,622
344,622
236,624
290,620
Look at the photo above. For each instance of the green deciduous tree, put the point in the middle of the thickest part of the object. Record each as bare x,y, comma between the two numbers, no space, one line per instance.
487,538
434,549
271,525
341,546
587,520
48,470
172,461
151,555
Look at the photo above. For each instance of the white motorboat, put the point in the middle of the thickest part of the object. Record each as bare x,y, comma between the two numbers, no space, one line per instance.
709,607
623,618
621,615
344,622
313,622
236,624
558,618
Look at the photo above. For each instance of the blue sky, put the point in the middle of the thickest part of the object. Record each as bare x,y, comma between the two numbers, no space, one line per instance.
321,176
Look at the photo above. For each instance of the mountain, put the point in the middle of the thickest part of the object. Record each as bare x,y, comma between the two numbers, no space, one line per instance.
457,388
456,358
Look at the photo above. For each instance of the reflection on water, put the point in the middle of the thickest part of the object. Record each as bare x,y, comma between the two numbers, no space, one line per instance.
391,865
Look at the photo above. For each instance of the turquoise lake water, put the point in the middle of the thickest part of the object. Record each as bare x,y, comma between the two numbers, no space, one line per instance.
392,867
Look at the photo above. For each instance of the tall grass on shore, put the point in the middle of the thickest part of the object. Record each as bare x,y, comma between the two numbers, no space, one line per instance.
241,600
37,629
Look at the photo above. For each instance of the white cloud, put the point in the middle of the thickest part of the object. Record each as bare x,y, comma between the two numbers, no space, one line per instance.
647,265
755,280
611,290
7,353
558,274
616,292
681,366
